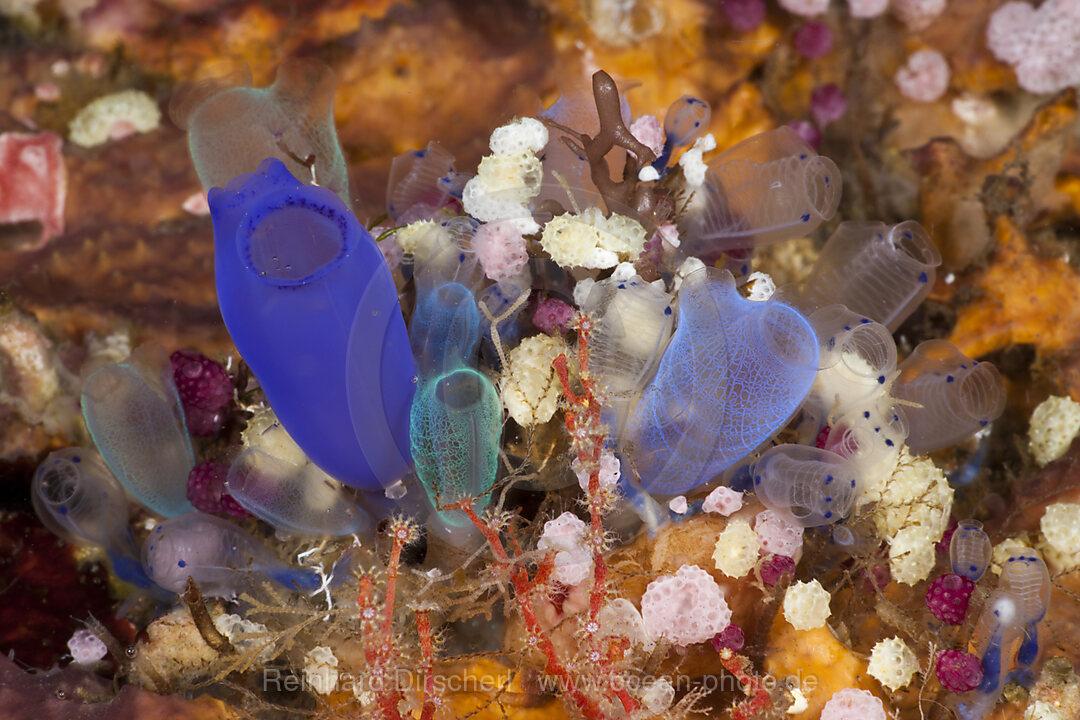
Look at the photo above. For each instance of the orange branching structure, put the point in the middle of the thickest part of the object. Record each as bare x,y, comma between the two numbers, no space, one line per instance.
588,435
377,634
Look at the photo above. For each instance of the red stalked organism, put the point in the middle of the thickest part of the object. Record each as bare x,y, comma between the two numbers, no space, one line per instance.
948,597
206,491
205,390
958,671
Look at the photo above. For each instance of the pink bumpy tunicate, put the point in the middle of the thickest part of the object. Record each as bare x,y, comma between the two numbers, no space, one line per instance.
553,316
500,248
852,704
686,608
925,77
776,535
723,500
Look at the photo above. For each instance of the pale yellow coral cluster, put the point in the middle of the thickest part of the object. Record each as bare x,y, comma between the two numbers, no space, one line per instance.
1060,527
736,550
912,511
806,605
422,237
112,115
510,177
528,387
588,239
1055,423
892,663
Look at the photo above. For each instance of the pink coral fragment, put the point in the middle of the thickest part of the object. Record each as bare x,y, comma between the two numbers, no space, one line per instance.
852,704
553,316
33,182
500,248
686,608
649,132
1042,45
722,500
777,536
925,77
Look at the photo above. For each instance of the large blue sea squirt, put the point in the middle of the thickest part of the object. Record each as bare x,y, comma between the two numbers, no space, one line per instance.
311,306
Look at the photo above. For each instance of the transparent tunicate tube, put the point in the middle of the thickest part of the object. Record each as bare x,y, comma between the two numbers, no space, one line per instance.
950,395
768,188
878,271
807,486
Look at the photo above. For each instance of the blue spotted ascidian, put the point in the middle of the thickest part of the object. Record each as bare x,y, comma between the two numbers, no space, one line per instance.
221,557
76,497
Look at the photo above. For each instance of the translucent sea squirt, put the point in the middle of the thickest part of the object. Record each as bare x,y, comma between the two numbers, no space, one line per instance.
135,417
733,374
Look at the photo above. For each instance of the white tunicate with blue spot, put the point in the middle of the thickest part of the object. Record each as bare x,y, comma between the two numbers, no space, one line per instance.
1013,612
77,497
807,486
220,556
970,550
768,188
633,323
297,499
881,272
951,396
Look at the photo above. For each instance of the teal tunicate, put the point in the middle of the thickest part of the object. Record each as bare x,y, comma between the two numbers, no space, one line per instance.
456,421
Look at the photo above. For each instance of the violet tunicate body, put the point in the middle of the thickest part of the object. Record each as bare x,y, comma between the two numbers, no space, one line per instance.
220,556
881,272
970,550
955,395
312,307
733,374
807,486
768,188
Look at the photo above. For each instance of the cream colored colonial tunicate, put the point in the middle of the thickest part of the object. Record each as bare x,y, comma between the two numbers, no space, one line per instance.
806,605
111,115
892,663
510,177
736,550
590,240
320,670
911,512
529,388
1060,527
1054,425
911,555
